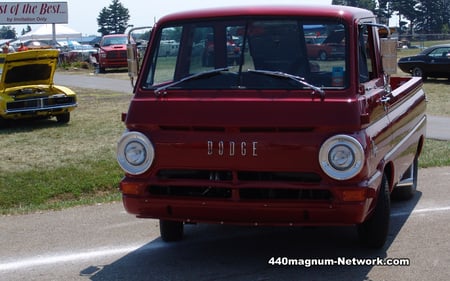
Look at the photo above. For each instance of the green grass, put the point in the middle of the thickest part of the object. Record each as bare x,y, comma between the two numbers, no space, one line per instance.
46,165
438,97
435,154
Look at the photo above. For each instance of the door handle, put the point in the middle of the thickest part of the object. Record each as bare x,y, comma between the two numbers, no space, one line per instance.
385,99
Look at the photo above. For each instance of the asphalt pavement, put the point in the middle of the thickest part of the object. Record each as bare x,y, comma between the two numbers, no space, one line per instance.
438,127
95,81
104,243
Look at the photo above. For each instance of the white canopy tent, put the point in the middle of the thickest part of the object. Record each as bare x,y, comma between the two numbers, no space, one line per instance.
51,32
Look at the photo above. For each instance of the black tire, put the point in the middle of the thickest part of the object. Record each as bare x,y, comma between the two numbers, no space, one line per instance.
101,69
171,231
374,231
418,72
63,118
406,192
2,123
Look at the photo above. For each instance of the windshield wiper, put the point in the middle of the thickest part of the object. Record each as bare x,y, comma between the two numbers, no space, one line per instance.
161,90
295,78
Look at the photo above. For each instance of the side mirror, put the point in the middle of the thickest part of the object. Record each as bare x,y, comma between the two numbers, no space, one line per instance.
389,55
132,60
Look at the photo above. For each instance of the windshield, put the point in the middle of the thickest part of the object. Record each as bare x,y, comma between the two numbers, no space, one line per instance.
114,40
312,50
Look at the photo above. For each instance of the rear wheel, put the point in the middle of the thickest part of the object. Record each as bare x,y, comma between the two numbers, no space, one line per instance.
406,189
171,231
374,231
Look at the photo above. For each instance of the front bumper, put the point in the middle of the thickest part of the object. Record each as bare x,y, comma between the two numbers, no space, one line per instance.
40,106
248,213
343,205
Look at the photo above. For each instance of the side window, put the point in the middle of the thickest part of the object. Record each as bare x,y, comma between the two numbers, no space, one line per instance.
446,53
365,54
440,53
165,59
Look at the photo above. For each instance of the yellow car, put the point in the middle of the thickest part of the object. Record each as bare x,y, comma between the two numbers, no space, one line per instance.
27,89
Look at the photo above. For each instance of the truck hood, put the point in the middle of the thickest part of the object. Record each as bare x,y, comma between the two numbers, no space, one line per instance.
243,134
35,67
114,47
245,113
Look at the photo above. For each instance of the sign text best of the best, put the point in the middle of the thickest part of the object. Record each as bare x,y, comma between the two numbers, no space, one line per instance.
33,12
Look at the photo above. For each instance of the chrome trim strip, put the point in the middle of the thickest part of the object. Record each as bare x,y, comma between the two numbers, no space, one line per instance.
36,109
374,178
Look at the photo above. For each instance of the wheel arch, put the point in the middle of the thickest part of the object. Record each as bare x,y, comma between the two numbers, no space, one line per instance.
388,170
420,145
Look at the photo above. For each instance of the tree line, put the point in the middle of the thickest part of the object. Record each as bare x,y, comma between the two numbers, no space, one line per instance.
415,16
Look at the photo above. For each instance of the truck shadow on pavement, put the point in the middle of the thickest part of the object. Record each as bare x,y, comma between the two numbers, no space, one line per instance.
214,252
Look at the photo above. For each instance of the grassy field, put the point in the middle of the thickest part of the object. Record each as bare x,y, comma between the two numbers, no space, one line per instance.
46,165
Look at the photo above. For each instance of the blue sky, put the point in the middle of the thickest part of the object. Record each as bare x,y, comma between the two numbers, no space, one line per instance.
83,13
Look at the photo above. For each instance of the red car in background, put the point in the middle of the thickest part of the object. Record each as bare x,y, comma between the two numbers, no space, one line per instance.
326,47
112,52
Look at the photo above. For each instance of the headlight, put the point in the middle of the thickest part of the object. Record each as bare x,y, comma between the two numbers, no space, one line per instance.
341,157
135,153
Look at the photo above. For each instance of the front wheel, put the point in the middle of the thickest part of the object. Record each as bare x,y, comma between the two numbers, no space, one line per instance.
171,231
100,69
323,56
374,231
418,72
63,118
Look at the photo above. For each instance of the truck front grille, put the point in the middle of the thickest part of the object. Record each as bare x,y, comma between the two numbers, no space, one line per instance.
35,104
239,185
116,55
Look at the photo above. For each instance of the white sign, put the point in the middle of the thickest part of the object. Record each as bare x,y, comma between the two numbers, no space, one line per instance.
33,12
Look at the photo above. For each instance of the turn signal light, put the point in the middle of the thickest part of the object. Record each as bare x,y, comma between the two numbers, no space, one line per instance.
354,195
132,188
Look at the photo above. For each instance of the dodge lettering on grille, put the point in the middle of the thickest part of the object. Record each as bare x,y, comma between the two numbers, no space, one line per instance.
232,148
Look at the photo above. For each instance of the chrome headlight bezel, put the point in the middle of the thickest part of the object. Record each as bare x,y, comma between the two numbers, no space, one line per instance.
341,157
135,153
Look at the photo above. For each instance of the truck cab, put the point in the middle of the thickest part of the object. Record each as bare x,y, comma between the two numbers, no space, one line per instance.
243,125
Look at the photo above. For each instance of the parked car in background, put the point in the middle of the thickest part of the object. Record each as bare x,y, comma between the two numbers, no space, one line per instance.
326,47
112,52
27,90
36,44
431,62
80,52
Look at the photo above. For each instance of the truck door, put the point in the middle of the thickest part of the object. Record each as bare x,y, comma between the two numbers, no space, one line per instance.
371,78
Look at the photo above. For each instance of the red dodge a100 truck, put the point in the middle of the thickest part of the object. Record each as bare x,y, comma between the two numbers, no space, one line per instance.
265,134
